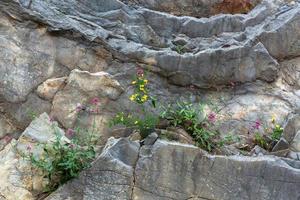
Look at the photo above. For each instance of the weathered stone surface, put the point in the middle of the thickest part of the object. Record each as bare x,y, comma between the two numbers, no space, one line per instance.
175,171
111,177
295,146
80,89
282,144
50,87
291,128
6,126
19,181
219,58
176,134
23,113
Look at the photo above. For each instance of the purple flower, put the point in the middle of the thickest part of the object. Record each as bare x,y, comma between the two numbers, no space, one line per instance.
29,147
79,107
140,72
257,124
95,101
70,133
7,138
212,117
51,119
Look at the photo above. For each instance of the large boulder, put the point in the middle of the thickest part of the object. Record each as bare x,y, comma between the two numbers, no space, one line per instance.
19,181
176,171
111,176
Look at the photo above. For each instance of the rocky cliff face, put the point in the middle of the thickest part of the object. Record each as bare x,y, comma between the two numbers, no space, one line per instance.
56,54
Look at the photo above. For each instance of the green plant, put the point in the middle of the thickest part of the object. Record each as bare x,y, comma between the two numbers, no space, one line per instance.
145,122
277,133
62,160
194,120
261,141
179,49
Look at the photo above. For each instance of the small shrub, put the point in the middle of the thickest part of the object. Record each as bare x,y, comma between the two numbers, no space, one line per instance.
194,120
61,161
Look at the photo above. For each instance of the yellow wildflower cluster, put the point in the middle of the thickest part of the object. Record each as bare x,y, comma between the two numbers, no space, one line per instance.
141,93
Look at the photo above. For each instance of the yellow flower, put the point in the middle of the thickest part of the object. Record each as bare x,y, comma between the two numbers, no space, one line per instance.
277,126
133,82
144,98
145,81
273,119
136,122
133,97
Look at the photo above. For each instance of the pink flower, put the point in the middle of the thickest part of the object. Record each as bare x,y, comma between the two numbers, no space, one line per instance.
70,133
140,72
79,107
212,117
71,146
29,147
257,124
51,119
7,138
95,101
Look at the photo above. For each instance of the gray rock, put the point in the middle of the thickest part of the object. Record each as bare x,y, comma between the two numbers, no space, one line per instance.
291,128
23,113
176,171
180,41
294,155
282,144
19,180
295,145
151,139
257,150
111,176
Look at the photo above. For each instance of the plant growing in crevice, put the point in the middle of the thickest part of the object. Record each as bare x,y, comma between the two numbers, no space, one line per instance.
195,121
62,159
266,136
145,122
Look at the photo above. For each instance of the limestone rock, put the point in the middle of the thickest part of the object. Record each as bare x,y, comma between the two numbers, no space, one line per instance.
169,170
291,128
50,87
295,145
6,126
23,113
19,181
111,177
81,87
282,144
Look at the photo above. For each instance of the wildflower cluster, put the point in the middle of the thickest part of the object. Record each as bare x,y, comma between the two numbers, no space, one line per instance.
266,136
195,121
63,159
140,95
143,121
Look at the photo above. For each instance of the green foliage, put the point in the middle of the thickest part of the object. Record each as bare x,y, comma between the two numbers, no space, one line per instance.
144,124
62,161
272,134
179,49
277,133
261,141
194,120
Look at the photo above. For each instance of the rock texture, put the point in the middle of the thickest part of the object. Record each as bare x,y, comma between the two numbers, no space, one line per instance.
235,54
247,64
175,171
19,181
